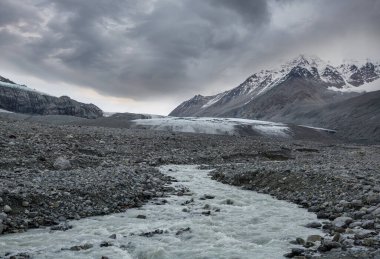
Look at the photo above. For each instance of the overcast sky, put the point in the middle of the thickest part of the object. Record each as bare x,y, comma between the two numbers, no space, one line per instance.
148,56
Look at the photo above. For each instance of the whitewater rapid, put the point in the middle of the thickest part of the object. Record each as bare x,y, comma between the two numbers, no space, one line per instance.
241,224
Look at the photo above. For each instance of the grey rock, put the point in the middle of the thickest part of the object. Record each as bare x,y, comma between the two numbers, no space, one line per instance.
313,238
62,227
105,244
328,245
298,241
363,233
368,224
298,251
376,212
342,222
337,237
7,209
81,247
355,224
207,197
113,236
373,199
3,216
313,225
357,203
61,163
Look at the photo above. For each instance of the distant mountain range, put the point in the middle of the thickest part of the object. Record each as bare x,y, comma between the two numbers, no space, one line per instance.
21,99
306,85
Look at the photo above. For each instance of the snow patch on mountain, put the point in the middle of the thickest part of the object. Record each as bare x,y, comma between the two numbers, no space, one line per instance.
5,111
213,100
21,87
366,87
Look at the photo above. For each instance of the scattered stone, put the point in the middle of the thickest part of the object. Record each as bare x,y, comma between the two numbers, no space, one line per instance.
295,252
298,241
105,244
206,213
207,197
81,247
368,224
25,204
363,233
328,245
182,230
141,217
229,202
313,225
7,209
61,227
342,222
337,237
113,236
314,238
207,207
62,163
152,233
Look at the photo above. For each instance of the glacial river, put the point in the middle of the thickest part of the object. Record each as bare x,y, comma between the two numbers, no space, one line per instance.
241,224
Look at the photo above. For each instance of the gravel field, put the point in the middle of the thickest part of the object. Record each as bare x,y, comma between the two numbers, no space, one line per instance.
51,173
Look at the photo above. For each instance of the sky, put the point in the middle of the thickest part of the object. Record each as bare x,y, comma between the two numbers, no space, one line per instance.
149,56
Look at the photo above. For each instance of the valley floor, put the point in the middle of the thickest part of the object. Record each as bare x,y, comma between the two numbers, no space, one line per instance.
51,173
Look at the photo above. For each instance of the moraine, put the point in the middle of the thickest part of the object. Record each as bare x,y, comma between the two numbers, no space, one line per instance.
241,224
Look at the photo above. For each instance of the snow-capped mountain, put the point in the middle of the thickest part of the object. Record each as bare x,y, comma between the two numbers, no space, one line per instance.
303,81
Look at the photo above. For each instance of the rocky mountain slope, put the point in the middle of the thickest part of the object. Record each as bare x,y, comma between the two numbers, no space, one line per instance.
21,99
272,94
357,117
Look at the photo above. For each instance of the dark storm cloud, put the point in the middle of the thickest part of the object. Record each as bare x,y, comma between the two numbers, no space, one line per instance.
144,49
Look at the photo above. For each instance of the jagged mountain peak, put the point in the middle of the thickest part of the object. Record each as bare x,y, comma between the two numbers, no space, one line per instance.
306,60
308,70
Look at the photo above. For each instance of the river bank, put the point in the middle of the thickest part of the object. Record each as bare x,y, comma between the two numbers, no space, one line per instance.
200,218
50,173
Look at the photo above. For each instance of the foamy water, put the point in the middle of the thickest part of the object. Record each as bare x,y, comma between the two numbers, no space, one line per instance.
242,224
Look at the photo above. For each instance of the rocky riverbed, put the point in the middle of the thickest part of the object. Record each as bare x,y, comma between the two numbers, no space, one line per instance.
340,184
51,173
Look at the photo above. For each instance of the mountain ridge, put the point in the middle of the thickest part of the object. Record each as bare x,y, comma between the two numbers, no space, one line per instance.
344,77
22,99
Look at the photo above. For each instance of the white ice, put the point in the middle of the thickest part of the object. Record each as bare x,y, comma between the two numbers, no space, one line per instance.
206,125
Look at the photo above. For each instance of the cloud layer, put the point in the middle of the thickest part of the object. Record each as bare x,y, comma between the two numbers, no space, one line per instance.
150,49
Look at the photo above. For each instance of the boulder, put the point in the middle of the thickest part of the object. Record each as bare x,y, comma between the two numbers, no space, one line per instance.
62,163
342,222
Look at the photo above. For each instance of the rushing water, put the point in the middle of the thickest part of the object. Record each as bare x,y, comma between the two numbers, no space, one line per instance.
242,224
